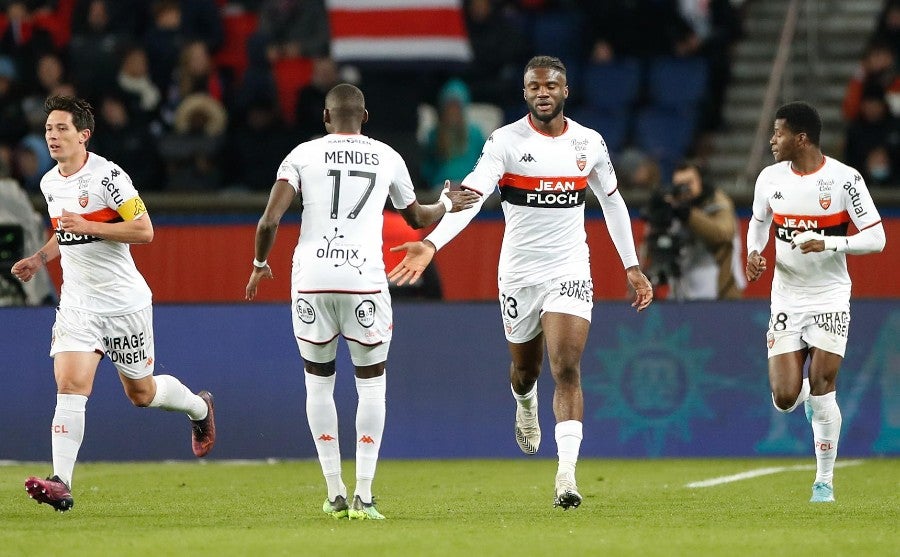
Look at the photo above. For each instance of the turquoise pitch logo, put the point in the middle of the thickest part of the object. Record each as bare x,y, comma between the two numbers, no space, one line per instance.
655,383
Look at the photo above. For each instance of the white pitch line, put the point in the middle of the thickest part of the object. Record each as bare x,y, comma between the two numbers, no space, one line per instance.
764,472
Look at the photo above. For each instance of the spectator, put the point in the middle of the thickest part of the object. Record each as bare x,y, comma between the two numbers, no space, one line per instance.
174,24
31,161
142,95
453,146
874,129
880,170
257,144
126,141
692,241
15,126
192,152
889,26
94,47
293,28
311,98
499,50
50,73
876,67
195,73
22,41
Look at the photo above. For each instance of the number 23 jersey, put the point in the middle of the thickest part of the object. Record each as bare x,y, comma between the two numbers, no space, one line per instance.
344,180
543,181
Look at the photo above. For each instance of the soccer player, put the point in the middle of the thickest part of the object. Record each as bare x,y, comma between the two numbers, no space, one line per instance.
812,199
338,281
543,165
105,306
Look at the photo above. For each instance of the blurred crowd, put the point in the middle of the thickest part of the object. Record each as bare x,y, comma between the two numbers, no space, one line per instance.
871,106
211,94
201,95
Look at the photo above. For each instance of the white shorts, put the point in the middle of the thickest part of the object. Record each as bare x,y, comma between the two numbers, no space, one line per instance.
796,325
522,308
126,339
365,320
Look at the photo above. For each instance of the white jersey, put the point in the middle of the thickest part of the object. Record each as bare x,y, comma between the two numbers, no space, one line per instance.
99,276
543,181
344,180
826,201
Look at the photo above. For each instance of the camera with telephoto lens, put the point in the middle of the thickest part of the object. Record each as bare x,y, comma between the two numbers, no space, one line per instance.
668,234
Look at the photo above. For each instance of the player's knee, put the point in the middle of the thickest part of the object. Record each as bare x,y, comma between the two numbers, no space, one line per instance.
783,402
141,399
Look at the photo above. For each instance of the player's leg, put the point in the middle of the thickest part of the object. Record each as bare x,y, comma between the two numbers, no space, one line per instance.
371,387
566,336
76,349
131,348
316,328
74,373
828,341
520,310
367,323
787,353
789,388
321,415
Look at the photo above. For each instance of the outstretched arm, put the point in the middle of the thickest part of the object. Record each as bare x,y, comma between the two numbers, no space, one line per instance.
280,199
419,254
419,216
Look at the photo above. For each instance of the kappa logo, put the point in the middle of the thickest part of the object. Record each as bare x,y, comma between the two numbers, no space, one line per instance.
527,158
325,437
825,199
367,440
777,195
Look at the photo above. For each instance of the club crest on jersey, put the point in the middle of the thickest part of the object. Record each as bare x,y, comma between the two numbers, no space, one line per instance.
825,199
581,160
83,192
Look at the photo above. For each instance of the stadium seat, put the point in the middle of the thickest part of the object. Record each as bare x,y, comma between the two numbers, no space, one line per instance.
677,82
613,86
614,126
664,133
291,74
559,34
486,116
232,55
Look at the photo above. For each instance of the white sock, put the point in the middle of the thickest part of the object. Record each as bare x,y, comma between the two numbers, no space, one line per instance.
527,400
67,433
826,426
173,396
370,414
568,443
801,398
321,414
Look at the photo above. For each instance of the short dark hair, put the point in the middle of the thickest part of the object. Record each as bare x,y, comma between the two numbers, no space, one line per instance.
550,62
801,117
82,112
346,101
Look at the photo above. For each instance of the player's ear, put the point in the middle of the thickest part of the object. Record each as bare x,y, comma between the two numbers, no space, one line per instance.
365,117
326,116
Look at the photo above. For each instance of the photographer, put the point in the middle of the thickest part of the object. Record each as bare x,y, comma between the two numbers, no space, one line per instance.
691,239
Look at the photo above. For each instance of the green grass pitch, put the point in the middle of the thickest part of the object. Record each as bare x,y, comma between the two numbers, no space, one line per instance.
467,508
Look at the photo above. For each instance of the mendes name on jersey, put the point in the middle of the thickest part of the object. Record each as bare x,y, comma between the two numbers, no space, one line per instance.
344,180
99,275
543,181
825,201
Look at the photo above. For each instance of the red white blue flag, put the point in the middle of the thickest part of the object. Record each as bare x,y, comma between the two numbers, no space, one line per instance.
398,30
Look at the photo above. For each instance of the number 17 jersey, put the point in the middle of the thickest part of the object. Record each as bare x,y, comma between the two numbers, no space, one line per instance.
344,181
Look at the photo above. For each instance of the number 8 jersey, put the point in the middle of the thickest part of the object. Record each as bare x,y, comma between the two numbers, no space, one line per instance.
344,180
